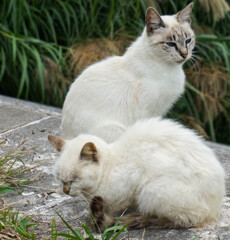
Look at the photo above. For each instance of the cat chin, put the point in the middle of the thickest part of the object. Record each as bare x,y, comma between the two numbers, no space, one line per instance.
181,61
75,194
71,194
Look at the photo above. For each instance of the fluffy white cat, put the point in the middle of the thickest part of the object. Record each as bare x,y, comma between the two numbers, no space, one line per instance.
163,170
145,82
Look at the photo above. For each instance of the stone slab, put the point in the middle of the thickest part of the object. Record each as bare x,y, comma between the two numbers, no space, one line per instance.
5,100
13,116
40,197
223,154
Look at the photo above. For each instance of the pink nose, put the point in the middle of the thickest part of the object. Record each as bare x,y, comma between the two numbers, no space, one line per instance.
184,54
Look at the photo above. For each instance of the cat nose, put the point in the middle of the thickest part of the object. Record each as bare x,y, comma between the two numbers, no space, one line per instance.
184,54
66,189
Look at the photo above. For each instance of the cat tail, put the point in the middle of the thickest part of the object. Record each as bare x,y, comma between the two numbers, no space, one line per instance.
134,221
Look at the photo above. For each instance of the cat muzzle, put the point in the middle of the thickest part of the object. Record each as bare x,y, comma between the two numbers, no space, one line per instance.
66,189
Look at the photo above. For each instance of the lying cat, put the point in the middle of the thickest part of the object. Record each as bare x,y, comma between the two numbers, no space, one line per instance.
114,93
163,170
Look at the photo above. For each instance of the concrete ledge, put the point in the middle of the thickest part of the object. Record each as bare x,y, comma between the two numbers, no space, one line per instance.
5,100
27,122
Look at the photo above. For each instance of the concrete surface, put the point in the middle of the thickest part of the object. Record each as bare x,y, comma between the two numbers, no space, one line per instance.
30,123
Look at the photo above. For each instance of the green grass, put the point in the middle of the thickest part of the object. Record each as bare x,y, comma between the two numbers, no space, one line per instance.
23,65
13,177
32,32
14,227
13,174
110,233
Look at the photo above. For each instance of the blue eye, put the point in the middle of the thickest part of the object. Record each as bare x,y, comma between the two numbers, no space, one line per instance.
188,41
171,44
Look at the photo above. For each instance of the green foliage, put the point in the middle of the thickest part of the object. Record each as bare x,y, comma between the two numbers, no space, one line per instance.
22,64
14,227
35,37
11,176
197,237
110,233
31,31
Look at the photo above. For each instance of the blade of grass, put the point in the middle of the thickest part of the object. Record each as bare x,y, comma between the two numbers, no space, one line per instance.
75,232
120,231
88,231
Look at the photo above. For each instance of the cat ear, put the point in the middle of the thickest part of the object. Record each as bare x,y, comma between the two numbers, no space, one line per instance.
89,152
185,14
57,142
153,20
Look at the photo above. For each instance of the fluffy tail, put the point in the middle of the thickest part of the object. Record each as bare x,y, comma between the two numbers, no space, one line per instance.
134,221
140,221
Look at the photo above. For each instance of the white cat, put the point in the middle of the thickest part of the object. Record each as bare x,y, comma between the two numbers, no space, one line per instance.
163,170
113,94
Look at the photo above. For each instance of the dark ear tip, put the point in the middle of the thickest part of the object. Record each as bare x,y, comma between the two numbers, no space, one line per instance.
191,5
149,10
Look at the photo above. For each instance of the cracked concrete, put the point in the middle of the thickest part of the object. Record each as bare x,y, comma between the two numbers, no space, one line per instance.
30,123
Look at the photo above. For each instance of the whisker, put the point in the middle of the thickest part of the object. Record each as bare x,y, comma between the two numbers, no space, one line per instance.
196,56
89,195
196,59
195,63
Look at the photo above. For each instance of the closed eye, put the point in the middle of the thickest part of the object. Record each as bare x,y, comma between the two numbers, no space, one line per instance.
74,179
188,41
68,183
171,44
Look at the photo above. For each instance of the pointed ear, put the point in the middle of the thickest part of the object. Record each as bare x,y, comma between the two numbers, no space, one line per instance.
89,152
153,20
57,142
185,14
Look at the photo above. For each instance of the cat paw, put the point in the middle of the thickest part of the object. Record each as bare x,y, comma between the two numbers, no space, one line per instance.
97,205
97,211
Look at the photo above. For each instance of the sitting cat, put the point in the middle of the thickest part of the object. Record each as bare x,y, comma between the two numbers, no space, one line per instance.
114,93
163,170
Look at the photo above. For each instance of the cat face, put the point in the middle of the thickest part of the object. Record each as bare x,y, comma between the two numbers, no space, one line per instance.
76,169
170,37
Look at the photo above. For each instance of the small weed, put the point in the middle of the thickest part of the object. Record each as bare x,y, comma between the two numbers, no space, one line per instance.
196,237
14,227
11,176
12,170
110,233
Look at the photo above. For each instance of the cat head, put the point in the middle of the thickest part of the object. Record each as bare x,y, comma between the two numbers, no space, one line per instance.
170,37
77,167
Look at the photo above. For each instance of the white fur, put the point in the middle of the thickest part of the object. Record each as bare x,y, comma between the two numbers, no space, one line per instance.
114,93
157,166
